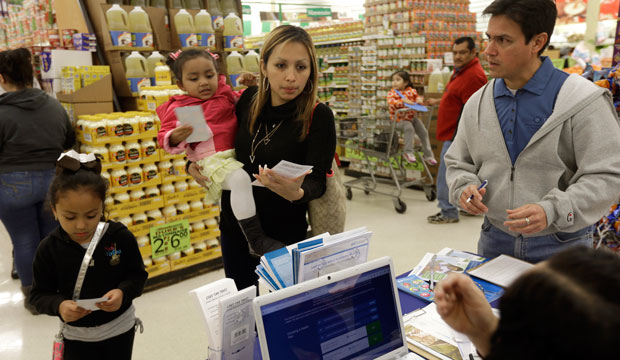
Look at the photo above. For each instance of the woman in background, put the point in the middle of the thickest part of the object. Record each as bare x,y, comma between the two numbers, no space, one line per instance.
34,130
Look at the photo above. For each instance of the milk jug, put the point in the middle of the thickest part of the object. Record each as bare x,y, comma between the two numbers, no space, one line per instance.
118,24
152,61
141,32
184,23
233,33
251,62
234,65
434,80
162,75
216,15
136,73
204,29
445,74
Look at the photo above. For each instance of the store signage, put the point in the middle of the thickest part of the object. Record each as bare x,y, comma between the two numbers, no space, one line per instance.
246,10
319,12
169,238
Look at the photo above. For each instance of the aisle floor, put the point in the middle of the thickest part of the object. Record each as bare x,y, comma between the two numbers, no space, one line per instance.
173,328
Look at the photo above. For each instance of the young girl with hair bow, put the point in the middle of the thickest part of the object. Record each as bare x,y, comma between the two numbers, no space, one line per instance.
87,258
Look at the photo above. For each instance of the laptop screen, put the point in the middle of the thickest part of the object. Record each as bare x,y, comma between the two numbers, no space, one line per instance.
354,318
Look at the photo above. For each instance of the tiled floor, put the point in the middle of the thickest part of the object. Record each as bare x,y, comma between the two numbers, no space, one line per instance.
173,327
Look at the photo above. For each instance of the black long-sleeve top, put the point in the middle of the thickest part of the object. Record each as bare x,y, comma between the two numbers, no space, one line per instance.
34,130
282,219
57,264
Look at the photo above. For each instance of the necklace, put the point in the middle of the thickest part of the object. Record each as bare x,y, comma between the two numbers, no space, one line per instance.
265,140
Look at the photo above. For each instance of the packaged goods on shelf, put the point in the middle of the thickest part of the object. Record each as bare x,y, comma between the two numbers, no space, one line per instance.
118,24
29,24
184,24
77,77
84,42
204,29
233,32
140,27
150,97
440,22
336,31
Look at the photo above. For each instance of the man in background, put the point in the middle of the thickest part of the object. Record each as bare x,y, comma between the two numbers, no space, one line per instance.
467,78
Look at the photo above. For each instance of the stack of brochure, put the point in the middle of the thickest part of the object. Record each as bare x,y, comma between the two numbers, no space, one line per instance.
229,319
437,266
314,257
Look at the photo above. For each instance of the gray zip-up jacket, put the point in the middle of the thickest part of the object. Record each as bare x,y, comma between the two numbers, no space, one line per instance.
570,167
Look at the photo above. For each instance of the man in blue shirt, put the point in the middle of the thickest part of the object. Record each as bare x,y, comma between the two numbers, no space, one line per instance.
538,136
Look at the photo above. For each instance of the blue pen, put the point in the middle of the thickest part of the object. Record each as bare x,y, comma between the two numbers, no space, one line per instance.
482,186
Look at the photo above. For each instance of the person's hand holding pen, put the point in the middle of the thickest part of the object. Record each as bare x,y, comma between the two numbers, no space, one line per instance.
471,199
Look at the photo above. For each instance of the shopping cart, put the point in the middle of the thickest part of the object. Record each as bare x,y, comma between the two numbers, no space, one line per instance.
377,137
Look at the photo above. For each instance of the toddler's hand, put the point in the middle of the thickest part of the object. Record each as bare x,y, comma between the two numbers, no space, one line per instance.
70,311
115,299
180,134
195,171
248,79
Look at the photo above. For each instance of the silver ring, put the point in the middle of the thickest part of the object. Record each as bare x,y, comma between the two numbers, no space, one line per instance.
527,221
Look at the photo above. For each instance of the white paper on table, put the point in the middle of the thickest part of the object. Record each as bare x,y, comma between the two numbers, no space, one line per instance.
237,330
334,256
89,304
207,297
502,270
194,117
288,170
460,254
430,322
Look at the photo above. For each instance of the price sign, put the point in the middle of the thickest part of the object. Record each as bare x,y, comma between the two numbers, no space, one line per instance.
169,238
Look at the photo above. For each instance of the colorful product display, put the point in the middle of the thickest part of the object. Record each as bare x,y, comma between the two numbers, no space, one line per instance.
148,186
440,22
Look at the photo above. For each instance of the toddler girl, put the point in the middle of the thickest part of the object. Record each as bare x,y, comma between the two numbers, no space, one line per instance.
196,73
115,270
406,121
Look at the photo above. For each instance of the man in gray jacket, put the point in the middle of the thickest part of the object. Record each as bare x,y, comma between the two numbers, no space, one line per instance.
547,143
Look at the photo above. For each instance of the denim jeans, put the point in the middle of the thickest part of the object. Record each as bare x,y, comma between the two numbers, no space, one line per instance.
25,213
448,210
494,242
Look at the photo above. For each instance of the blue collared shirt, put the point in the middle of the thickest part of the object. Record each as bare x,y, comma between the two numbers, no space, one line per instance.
522,114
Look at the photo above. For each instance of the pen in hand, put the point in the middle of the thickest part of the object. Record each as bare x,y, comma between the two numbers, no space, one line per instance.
432,285
482,186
